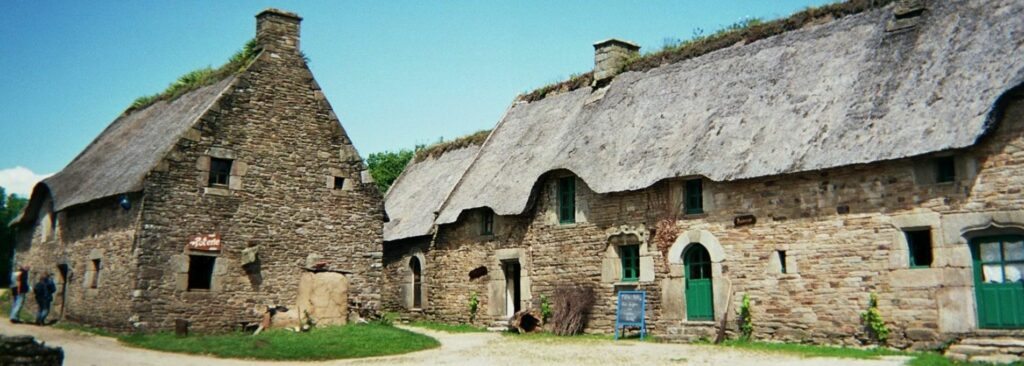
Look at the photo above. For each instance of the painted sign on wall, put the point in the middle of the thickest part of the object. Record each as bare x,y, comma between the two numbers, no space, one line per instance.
206,243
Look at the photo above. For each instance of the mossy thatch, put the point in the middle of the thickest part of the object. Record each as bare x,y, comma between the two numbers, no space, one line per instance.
438,149
200,77
740,33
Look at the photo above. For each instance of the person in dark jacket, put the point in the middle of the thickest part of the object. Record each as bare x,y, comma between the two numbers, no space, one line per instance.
19,290
44,290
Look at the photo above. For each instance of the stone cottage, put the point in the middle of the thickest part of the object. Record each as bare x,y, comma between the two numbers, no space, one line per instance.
877,152
210,206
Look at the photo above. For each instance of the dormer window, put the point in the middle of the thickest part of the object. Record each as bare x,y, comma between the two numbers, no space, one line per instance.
220,172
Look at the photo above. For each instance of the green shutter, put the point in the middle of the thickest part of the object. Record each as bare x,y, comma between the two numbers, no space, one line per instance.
694,197
630,255
567,200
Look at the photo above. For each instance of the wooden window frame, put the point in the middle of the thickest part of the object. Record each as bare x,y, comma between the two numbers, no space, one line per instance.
220,172
567,200
917,239
630,257
694,197
487,223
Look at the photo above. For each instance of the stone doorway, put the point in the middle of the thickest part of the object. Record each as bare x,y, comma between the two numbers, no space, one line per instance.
512,271
417,283
999,285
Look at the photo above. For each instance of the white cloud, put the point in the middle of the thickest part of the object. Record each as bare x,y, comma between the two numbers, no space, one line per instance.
20,180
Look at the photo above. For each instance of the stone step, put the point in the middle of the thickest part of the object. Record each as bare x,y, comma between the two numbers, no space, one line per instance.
972,350
996,359
994,342
497,329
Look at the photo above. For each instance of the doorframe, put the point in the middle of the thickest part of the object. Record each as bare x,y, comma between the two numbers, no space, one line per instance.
513,286
710,276
720,285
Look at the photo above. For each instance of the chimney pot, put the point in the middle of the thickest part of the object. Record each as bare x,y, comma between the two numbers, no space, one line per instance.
609,57
278,30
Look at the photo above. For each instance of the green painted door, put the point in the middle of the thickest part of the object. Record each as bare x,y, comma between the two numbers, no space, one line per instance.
699,302
999,280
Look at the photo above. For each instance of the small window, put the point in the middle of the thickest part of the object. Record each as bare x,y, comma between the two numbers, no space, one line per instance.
200,271
567,200
782,261
487,223
694,197
945,169
919,245
630,255
95,283
220,172
339,183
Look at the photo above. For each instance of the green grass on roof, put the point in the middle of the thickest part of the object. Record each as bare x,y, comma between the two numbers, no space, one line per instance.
201,77
742,32
438,149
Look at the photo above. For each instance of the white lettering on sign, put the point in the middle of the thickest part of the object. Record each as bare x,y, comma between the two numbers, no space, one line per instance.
209,243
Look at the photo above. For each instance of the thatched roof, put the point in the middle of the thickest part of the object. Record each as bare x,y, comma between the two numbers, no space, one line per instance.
118,159
418,193
842,93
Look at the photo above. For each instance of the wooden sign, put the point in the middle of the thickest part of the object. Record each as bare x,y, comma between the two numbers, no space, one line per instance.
630,311
206,243
744,220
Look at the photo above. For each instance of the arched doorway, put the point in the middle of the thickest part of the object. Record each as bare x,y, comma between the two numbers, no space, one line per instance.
417,283
699,299
999,280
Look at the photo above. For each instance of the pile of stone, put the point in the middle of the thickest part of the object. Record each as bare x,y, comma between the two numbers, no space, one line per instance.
24,350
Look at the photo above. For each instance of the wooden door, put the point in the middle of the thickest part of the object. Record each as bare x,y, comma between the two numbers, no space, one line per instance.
699,299
417,283
999,280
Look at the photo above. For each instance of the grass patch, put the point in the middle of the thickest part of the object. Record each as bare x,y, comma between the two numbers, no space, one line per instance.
449,328
350,341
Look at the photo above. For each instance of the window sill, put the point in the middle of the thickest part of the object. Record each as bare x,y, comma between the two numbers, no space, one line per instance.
487,237
217,191
631,283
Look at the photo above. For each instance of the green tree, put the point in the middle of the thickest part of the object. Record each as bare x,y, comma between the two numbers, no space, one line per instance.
386,166
10,206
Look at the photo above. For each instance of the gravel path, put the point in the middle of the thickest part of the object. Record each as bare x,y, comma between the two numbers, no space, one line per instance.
456,349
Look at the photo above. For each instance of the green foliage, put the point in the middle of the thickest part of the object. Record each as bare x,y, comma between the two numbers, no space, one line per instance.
201,77
474,306
449,328
872,318
746,321
545,308
385,167
442,146
350,341
10,206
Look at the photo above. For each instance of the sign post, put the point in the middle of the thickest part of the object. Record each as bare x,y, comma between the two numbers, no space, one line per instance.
630,311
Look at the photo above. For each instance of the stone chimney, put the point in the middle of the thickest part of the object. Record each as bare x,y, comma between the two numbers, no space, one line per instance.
278,30
609,57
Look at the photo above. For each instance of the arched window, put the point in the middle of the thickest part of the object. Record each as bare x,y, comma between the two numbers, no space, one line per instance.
417,282
699,299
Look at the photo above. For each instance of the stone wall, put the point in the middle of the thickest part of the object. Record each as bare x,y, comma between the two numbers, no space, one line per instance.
24,350
287,149
100,230
841,229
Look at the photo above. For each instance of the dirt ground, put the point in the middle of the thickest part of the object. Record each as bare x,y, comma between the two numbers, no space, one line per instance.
82,349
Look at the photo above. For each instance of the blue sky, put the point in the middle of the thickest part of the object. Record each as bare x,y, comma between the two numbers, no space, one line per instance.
398,73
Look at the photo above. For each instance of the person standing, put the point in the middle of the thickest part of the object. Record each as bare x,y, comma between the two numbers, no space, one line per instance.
44,290
19,290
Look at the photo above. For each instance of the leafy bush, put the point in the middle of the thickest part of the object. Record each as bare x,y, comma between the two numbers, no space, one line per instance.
746,321
385,167
873,320
474,306
572,307
545,308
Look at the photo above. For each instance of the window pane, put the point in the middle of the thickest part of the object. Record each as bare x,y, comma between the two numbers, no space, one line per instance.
992,273
990,252
1013,250
1014,272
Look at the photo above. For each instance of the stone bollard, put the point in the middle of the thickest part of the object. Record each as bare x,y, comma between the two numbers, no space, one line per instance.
181,327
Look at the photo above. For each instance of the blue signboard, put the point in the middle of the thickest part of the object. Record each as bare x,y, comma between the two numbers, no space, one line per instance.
630,311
